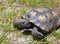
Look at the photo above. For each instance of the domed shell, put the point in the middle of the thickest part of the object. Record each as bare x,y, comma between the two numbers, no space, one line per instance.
42,17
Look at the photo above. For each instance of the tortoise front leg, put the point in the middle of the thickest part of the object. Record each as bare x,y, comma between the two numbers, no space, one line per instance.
27,31
37,34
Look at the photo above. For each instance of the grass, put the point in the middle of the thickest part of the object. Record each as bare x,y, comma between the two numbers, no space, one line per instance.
11,1
3,40
8,16
21,1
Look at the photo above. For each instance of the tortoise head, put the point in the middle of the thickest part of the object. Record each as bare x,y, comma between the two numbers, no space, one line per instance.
21,23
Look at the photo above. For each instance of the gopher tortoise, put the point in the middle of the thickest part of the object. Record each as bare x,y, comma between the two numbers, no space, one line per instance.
38,21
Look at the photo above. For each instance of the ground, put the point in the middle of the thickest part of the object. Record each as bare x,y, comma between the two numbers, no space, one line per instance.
11,9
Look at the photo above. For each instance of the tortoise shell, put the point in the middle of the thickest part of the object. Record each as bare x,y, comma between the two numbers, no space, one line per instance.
43,17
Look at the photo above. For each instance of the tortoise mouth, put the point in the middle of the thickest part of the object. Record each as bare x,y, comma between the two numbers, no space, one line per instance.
25,25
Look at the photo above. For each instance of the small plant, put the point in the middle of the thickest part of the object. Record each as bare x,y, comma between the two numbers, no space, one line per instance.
21,1
1,8
33,2
3,40
11,1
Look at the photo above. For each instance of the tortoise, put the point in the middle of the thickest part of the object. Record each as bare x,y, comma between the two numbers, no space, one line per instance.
38,21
